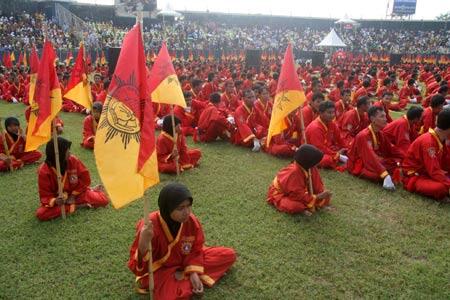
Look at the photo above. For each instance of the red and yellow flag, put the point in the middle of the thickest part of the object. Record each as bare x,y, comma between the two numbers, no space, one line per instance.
289,95
13,56
103,58
78,88
164,84
34,67
7,60
125,150
47,101
69,58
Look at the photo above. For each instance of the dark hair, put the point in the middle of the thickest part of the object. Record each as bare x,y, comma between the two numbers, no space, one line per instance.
388,93
340,84
443,90
414,113
275,75
346,91
437,100
246,91
386,81
214,98
411,81
97,106
210,76
373,111
317,96
196,82
325,105
187,94
364,100
366,83
63,146
443,119
167,124
11,121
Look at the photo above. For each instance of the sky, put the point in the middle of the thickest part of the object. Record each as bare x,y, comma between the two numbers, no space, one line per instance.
356,9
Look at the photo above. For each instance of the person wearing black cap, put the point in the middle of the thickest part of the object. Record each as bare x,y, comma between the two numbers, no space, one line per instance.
15,141
426,167
289,191
76,182
181,263
167,153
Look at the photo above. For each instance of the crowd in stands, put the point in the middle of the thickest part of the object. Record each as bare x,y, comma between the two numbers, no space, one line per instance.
21,30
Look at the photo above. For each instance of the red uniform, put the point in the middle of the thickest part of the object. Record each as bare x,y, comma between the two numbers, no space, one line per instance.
264,111
212,124
372,156
428,120
248,126
229,103
335,95
273,84
308,115
340,109
89,129
186,253
187,158
362,91
76,181
400,134
284,144
426,167
17,150
207,89
289,190
352,122
187,118
386,110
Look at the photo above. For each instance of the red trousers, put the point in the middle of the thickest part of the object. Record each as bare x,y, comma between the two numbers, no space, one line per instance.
216,261
191,161
25,159
90,197
288,205
188,131
70,106
360,170
328,162
88,143
426,186
281,150
215,130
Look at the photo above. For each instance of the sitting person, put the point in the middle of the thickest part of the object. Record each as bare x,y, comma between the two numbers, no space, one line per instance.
385,104
90,125
290,191
76,182
343,105
324,134
182,264
371,155
430,113
426,167
403,131
168,154
212,123
15,141
354,120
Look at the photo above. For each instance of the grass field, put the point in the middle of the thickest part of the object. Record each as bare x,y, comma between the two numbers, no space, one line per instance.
377,244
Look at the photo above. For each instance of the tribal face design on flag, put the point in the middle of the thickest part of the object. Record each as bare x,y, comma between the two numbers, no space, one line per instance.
118,118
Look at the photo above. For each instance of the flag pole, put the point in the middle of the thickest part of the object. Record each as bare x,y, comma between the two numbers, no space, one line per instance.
175,136
302,127
5,144
58,167
56,149
151,287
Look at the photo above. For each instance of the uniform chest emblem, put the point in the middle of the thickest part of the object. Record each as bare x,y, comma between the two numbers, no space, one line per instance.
432,152
186,247
73,179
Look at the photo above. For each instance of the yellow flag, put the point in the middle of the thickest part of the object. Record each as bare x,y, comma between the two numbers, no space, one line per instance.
78,88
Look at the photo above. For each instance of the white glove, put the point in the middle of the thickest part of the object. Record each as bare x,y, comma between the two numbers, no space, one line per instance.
343,158
230,120
159,122
413,100
256,145
388,184
187,109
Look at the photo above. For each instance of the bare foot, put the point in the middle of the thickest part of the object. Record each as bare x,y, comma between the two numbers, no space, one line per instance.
99,187
329,208
179,275
446,200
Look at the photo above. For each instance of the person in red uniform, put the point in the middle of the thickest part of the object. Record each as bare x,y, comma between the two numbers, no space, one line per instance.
97,87
101,96
229,101
310,111
354,120
76,181
273,84
371,155
362,91
431,112
290,191
186,115
168,154
250,131
209,87
181,262
15,140
212,123
316,87
324,134
90,125
286,143
443,90
403,131
385,104
409,94
343,104
336,93
425,167
263,106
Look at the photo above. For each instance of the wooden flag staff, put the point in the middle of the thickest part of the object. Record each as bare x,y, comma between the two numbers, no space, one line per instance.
302,127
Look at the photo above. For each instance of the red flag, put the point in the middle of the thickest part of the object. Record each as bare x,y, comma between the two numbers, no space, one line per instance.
34,67
78,89
7,60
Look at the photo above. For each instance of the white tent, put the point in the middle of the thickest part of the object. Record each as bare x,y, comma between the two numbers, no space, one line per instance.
169,13
332,40
346,21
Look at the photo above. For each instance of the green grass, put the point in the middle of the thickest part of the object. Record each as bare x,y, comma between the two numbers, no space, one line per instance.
377,244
